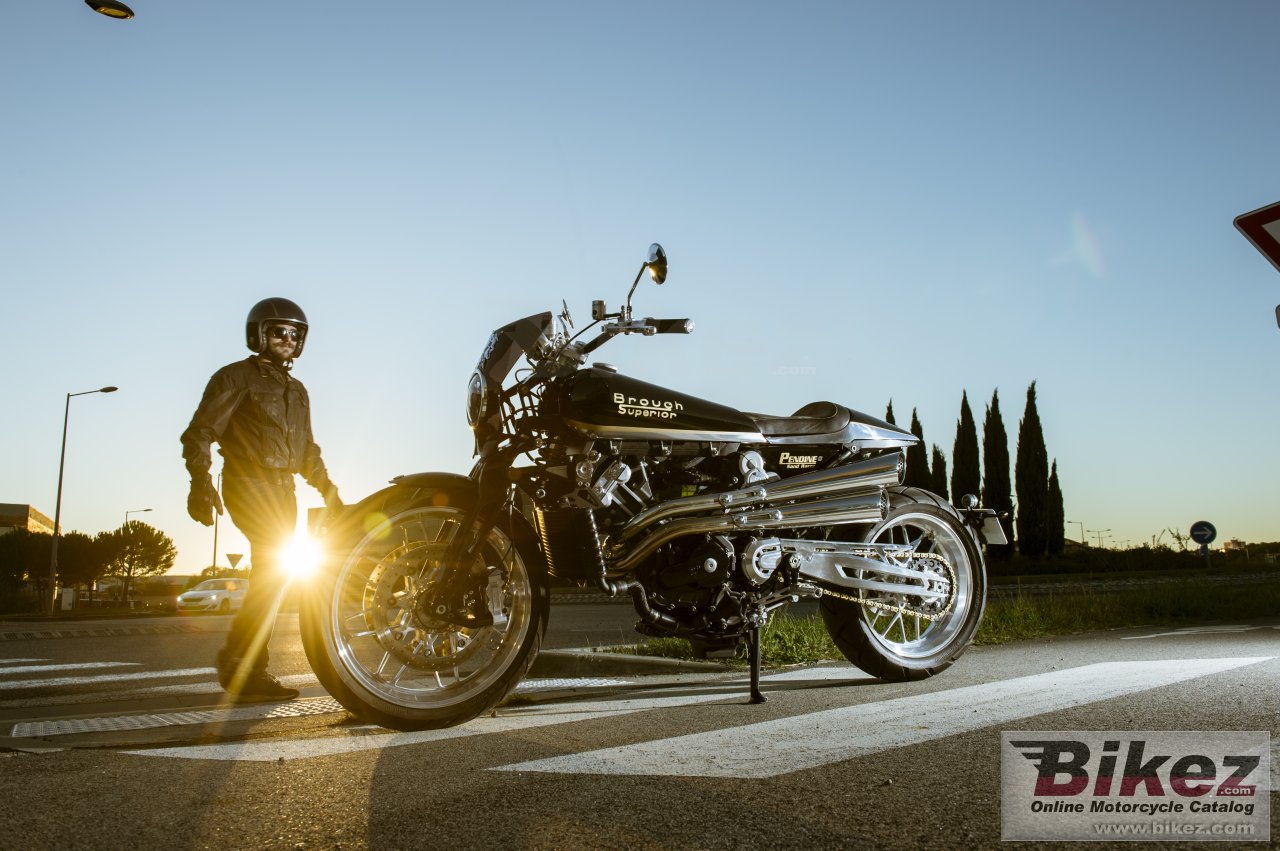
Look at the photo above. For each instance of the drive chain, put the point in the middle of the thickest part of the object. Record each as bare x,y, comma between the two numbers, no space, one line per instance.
904,609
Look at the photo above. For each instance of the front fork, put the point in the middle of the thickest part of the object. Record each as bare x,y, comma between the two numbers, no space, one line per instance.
494,490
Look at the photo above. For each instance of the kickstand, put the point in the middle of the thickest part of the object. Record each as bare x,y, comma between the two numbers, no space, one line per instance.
753,659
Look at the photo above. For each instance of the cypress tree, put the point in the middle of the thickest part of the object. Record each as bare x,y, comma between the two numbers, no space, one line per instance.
966,473
1055,522
1031,476
996,489
917,458
888,414
938,469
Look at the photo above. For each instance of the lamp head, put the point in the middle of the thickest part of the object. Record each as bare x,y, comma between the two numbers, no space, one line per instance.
110,8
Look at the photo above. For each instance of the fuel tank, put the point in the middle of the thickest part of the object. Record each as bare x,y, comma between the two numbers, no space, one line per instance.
605,404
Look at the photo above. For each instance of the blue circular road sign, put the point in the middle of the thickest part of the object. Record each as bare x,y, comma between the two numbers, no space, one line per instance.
1202,532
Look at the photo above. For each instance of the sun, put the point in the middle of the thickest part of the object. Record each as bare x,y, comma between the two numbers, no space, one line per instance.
301,557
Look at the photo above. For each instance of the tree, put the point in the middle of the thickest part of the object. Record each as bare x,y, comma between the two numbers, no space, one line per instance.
24,557
81,559
1031,476
1055,518
917,458
888,414
966,472
938,470
13,559
137,549
996,488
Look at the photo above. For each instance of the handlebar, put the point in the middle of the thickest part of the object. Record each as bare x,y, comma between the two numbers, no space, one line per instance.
670,326
647,326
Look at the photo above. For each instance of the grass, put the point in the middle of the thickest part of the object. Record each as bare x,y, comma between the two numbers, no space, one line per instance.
785,640
1174,604
788,640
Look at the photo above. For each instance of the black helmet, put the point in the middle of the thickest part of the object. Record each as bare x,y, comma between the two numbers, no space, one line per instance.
267,312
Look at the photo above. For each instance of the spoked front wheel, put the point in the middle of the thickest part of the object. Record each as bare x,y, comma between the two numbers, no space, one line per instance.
905,636
374,643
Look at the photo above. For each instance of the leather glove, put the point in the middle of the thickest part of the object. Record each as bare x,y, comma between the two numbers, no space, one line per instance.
203,501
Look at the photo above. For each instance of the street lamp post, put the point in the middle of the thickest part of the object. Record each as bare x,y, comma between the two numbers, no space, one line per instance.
57,511
1081,525
1099,533
133,511
215,531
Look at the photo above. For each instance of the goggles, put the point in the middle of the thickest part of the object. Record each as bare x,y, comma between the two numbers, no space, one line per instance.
284,332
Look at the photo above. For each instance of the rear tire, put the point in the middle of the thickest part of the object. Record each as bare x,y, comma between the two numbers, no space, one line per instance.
902,647
375,649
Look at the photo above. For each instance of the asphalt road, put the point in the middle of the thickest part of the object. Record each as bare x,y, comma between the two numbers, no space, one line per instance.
833,760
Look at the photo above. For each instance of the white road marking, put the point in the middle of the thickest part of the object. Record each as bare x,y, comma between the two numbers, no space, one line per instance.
212,687
508,719
105,678
41,669
4,662
770,748
1198,630
117,723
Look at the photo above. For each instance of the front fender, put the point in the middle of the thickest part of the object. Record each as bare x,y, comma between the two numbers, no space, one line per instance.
354,521
441,489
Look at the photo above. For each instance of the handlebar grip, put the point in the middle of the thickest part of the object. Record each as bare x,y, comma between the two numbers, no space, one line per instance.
671,326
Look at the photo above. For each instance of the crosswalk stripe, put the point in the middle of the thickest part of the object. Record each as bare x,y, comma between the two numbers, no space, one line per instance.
509,719
79,666
782,746
52,682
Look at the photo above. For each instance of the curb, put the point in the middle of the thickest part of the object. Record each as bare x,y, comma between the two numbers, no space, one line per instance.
587,662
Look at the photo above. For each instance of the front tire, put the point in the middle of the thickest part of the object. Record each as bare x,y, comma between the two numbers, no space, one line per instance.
375,648
900,646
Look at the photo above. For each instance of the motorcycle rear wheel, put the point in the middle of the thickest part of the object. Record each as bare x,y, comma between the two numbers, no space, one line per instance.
897,645
373,645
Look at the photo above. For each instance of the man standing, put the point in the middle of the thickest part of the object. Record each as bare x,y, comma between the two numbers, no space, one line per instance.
260,417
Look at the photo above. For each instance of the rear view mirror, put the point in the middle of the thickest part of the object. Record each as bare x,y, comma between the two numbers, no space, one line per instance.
657,263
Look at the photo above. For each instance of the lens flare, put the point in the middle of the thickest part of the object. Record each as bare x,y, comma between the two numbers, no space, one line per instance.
1088,251
301,557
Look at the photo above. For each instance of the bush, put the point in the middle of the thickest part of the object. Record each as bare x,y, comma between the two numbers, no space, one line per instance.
22,600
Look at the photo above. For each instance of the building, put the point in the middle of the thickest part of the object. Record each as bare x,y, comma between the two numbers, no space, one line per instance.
20,516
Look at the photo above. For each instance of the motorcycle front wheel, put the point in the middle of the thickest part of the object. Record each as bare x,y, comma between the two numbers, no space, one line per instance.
374,646
901,637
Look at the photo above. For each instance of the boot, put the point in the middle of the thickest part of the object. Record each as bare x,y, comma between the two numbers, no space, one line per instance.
249,684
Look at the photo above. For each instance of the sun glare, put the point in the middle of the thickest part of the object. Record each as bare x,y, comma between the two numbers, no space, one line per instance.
301,557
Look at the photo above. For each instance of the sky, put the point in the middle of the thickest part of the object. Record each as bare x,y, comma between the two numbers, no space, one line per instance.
861,201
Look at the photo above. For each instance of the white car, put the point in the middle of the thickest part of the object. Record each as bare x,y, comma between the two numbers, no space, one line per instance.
214,595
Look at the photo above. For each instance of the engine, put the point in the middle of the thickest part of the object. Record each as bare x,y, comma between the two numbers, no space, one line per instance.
703,581
703,540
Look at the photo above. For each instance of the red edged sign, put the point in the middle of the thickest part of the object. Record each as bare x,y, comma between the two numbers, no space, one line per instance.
1262,228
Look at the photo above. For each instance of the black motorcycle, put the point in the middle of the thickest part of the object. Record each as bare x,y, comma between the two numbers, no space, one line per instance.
711,519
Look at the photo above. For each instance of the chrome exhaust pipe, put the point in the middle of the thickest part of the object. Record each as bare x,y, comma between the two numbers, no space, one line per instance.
881,471
866,507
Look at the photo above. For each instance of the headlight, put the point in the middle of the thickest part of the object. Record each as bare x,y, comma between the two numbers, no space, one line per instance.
476,399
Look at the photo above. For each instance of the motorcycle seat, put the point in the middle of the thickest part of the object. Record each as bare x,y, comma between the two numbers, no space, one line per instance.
815,420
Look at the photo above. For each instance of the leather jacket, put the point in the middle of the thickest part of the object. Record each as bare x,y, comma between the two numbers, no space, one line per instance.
260,417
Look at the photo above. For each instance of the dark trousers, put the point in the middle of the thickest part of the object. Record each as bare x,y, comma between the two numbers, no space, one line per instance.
265,509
